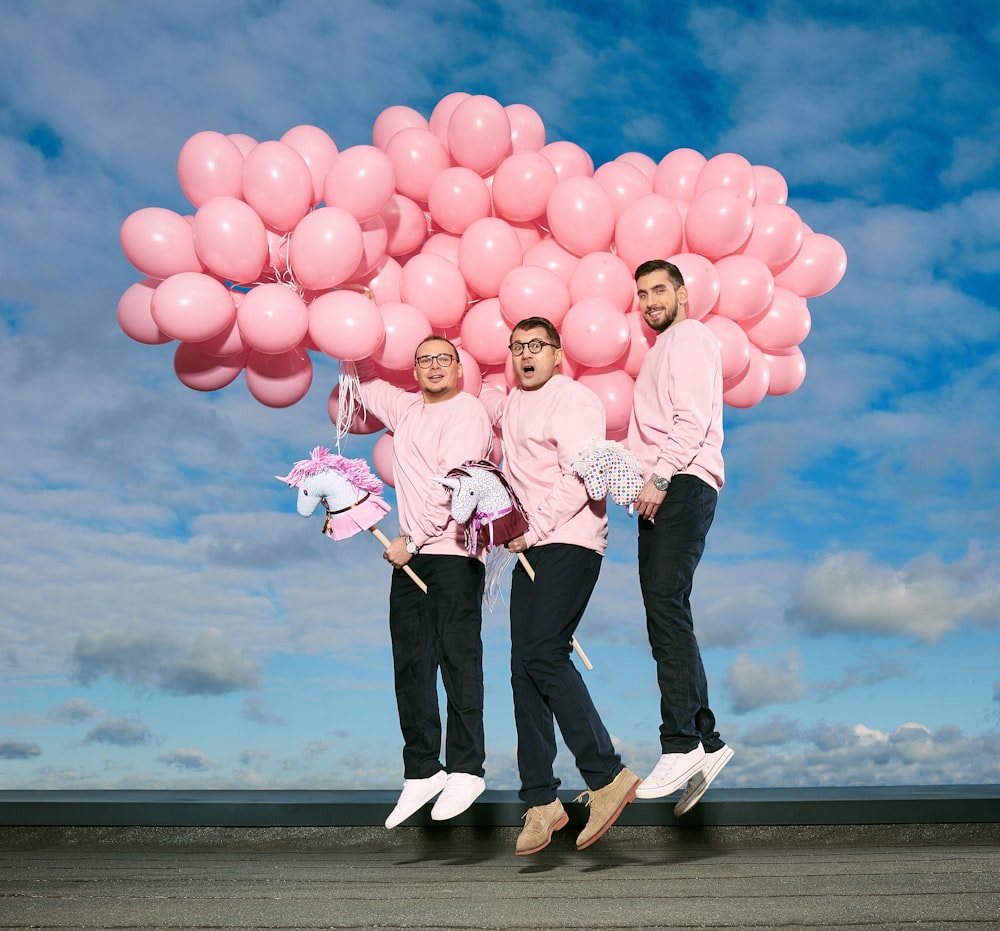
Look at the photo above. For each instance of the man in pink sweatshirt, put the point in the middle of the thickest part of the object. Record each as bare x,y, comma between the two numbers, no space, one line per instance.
434,431
544,423
676,432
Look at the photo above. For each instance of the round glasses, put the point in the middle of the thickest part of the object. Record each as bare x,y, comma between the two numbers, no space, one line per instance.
533,345
444,359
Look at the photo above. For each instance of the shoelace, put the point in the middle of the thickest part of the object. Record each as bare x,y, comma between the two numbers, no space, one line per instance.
586,793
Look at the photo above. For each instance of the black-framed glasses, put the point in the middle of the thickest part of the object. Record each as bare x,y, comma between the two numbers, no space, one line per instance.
444,359
533,345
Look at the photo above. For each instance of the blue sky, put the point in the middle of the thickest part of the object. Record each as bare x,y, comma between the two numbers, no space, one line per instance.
168,621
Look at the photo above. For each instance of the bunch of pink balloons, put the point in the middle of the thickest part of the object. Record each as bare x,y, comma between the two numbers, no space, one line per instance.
463,224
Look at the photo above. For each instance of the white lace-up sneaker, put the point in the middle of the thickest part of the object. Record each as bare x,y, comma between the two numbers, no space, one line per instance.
416,793
460,791
698,784
671,772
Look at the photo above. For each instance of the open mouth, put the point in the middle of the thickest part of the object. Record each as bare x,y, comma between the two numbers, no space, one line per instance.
528,368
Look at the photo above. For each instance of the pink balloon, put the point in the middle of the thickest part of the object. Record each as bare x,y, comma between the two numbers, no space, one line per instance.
435,286
569,160
719,222
191,306
485,333
362,424
277,184
210,165
522,185
195,368
230,239
382,459
532,291
417,158
734,346
528,233
624,184
159,243
749,388
325,248
595,333
677,173
404,326
360,181
702,282
458,196
392,119
277,252
786,370
374,240
727,170
816,269
272,318
746,286
384,282
441,114
443,244
479,134
641,339
345,325
318,151
649,228
489,249
279,379
771,186
549,254
601,274
639,160
228,341
581,215
405,223
527,131
777,235
615,388
134,315
471,379
784,324
244,143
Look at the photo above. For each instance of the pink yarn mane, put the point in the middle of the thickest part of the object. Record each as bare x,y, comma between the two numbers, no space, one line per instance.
356,471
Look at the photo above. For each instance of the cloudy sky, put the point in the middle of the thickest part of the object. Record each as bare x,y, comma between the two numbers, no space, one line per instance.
167,620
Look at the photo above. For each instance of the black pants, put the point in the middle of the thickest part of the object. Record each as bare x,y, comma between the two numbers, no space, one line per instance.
670,549
439,630
544,615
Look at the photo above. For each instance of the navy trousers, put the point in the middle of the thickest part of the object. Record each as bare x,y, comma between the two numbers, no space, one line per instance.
547,686
670,548
441,630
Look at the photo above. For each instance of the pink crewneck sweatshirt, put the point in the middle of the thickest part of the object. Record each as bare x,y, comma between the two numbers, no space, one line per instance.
676,421
428,440
542,430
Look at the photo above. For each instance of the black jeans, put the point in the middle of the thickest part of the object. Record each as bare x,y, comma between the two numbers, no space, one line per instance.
544,615
670,548
439,630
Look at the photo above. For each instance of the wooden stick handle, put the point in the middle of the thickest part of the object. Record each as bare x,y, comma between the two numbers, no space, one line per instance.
523,560
381,537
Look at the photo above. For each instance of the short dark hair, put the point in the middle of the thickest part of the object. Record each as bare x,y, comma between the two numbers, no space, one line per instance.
530,323
661,265
440,339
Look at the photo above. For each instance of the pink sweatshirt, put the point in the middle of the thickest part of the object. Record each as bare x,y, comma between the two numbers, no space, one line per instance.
428,440
676,422
542,431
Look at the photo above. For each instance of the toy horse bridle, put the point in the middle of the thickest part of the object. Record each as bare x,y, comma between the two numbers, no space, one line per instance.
330,514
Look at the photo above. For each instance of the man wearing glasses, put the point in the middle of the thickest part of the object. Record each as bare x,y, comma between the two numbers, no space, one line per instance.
434,431
545,420
676,432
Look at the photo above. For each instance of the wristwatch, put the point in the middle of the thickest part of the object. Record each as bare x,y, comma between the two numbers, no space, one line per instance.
659,483
412,547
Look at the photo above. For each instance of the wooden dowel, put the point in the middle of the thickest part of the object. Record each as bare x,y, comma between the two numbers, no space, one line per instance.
381,537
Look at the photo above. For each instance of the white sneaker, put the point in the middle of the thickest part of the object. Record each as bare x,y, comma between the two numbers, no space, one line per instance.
416,793
698,784
671,772
460,791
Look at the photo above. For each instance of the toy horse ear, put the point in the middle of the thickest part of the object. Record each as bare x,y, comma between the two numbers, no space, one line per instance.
451,483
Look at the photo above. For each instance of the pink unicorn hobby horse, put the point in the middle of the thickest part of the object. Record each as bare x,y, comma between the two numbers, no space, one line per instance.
349,492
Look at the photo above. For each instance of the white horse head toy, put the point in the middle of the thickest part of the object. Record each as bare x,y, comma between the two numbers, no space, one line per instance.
482,498
347,488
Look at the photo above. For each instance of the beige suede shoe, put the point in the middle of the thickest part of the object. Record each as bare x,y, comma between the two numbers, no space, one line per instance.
540,823
606,805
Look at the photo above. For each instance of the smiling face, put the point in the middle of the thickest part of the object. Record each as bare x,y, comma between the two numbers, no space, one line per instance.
661,303
439,382
534,369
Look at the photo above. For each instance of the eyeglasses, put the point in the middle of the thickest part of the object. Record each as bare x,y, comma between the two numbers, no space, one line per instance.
533,345
444,359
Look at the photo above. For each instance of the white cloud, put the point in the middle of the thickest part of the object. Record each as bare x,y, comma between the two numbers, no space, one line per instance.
752,684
